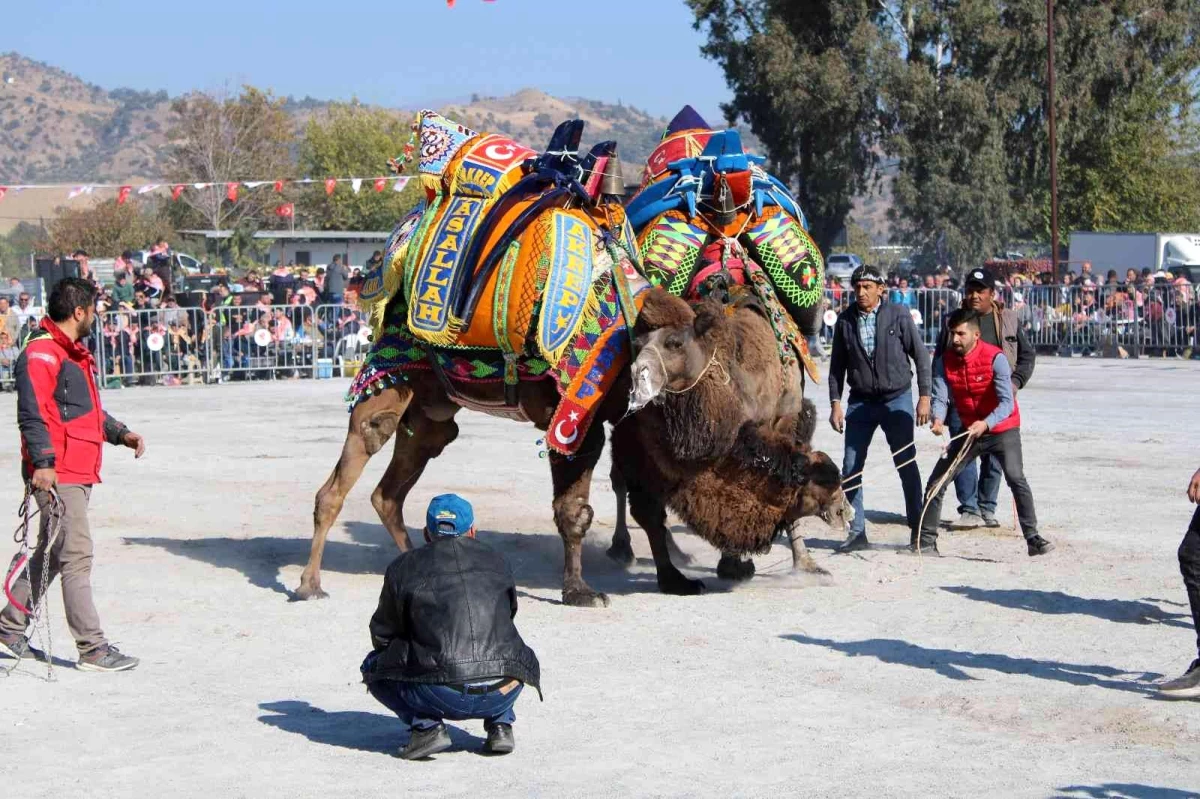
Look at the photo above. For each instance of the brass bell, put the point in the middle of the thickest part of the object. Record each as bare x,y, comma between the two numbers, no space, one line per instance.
726,209
612,182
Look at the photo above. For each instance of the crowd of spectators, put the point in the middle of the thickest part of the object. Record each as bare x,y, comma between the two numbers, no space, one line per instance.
244,327
1085,314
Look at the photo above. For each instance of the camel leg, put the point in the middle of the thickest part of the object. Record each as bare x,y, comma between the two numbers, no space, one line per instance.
649,512
622,546
421,442
572,479
371,424
732,567
803,564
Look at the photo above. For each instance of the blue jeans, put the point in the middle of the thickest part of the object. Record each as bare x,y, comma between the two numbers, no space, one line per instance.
977,487
424,705
898,421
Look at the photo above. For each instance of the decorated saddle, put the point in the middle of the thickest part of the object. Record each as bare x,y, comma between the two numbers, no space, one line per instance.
706,206
518,266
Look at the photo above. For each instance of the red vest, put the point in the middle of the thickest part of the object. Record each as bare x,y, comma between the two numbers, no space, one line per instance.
973,388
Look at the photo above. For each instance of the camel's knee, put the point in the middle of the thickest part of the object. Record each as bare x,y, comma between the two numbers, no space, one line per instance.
572,516
327,506
377,430
383,503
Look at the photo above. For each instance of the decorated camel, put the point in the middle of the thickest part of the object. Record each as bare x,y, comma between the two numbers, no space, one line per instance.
706,206
512,292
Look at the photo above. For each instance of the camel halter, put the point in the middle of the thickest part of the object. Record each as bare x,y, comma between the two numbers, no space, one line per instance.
712,361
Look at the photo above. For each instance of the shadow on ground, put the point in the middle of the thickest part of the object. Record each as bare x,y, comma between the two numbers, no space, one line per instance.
950,663
351,729
1056,603
536,560
1123,790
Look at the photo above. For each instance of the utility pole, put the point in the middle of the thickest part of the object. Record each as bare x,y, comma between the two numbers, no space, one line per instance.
1053,140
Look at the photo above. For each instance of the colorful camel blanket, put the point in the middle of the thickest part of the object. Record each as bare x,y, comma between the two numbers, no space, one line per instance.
701,188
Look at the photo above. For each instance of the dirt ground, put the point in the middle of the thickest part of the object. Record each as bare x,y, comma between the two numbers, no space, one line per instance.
983,673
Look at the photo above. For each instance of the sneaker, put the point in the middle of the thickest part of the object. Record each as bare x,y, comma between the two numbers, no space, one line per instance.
106,658
423,743
18,647
1039,546
854,543
499,740
990,520
1185,687
967,521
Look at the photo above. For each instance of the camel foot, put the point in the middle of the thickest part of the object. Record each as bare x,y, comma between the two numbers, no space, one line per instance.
730,567
680,586
584,598
800,577
307,592
621,553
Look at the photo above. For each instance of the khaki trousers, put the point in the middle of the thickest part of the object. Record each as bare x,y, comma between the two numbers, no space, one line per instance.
71,557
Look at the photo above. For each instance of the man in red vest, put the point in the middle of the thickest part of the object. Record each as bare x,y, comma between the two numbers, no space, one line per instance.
63,430
977,378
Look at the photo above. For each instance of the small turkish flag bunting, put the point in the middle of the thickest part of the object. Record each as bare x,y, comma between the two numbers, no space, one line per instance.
380,183
401,183
231,192
286,210
3,191
330,185
278,186
123,194
176,190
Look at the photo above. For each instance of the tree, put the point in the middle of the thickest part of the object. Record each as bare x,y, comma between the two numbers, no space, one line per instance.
22,241
106,229
220,140
806,75
351,140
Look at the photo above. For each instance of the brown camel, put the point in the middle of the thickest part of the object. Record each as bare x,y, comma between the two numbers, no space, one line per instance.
719,437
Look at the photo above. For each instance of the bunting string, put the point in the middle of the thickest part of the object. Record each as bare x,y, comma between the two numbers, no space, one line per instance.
231,188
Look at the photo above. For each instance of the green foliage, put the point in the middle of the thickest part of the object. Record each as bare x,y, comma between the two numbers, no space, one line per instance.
966,116
350,140
106,229
15,248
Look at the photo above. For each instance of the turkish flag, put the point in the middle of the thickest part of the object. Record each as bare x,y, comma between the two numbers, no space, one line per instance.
279,187
380,183
3,191
287,210
231,192
123,194
176,190
330,185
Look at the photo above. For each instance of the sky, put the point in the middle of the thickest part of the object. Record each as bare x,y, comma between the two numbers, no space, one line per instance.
403,53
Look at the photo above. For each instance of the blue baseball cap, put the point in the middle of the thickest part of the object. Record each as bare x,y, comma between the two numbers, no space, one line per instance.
449,514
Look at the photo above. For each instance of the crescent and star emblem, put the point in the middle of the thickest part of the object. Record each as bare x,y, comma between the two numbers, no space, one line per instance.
558,433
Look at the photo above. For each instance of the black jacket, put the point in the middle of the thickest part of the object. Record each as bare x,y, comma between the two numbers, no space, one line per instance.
886,375
446,616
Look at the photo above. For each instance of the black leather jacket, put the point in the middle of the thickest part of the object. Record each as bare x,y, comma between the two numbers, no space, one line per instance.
446,616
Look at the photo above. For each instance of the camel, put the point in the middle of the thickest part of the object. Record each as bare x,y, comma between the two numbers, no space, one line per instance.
719,436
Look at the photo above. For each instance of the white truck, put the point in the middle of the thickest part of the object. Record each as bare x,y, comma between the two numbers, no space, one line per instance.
1178,253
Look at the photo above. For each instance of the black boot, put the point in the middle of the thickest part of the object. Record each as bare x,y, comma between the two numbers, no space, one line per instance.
928,546
500,740
423,743
855,544
1039,546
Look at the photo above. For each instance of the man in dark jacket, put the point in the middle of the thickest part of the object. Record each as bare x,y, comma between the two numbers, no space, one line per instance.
1188,685
63,430
445,646
978,487
873,343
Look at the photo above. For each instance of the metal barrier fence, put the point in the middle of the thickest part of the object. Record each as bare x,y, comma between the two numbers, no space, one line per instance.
1162,319
170,345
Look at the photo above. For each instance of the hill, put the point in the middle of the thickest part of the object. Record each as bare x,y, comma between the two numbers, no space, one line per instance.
56,127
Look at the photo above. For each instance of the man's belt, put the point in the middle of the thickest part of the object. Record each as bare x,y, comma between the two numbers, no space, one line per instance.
504,685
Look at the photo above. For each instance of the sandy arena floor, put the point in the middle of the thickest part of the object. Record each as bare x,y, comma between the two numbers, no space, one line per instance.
984,673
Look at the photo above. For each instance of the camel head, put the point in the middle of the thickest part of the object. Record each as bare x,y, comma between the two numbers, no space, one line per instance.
822,495
675,346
